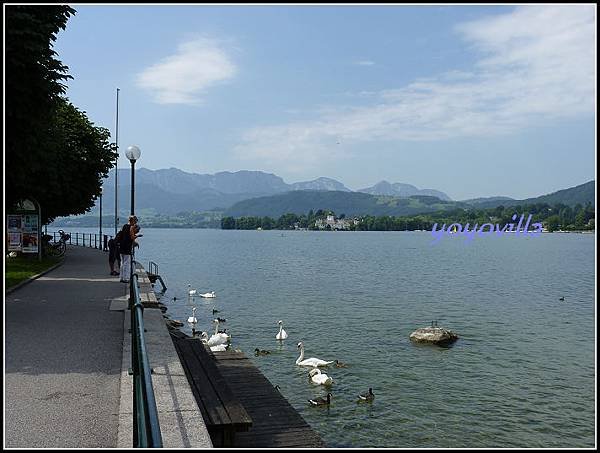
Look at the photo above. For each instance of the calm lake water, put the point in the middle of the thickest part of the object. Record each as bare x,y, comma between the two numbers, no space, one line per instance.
521,374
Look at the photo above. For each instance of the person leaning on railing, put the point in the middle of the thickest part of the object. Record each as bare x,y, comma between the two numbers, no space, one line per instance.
129,234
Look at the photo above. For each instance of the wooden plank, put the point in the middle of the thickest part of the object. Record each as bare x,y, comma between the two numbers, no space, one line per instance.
237,414
205,390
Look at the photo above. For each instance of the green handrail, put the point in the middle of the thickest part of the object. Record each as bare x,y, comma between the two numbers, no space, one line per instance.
146,428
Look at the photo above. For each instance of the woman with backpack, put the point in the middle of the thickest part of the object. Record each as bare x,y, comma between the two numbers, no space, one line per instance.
128,236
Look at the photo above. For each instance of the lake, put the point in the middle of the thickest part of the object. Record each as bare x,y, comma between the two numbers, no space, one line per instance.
522,373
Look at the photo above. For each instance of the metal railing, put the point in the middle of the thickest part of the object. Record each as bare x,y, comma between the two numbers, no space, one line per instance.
146,429
91,240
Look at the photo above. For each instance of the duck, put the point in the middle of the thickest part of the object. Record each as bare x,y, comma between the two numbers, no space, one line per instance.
317,377
562,299
192,319
221,319
215,311
258,352
282,334
340,364
209,295
218,338
321,401
191,292
309,362
367,396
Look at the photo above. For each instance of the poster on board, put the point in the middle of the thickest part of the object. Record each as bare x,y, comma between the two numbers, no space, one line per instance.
30,242
15,223
14,241
30,224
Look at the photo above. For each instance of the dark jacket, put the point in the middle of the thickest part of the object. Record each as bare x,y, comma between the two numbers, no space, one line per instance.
125,241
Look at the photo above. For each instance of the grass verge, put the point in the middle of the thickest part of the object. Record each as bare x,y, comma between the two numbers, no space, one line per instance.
21,268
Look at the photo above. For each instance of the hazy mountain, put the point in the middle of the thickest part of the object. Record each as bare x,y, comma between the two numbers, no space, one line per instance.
487,200
402,190
581,194
349,203
177,181
321,183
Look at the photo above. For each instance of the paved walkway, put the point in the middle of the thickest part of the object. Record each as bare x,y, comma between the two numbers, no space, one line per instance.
63,352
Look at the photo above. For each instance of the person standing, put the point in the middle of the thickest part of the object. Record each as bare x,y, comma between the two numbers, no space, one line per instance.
128,235
113,253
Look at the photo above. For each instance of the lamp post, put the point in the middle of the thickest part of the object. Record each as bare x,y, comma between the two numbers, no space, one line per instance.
101,247
133,153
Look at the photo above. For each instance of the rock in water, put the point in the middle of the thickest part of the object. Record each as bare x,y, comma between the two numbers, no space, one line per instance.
433,335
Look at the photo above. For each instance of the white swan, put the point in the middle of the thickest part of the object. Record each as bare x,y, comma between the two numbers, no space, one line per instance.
209,295
309,362
319,378
218,338
191,292
282,335
192,319
219,348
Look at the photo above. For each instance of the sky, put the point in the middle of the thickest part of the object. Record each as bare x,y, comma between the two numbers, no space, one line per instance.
470,100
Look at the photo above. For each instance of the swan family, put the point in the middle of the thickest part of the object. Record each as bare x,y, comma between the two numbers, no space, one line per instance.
219,341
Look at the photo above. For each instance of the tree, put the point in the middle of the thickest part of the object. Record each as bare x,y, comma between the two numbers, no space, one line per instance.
33,86
552,223
228,223
54,153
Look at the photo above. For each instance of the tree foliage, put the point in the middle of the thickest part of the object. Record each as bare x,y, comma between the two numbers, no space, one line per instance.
54,153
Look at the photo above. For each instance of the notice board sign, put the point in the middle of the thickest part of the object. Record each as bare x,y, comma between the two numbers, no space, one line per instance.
23,228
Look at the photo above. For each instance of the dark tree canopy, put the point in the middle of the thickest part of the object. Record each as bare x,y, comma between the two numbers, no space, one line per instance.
82,156
53,152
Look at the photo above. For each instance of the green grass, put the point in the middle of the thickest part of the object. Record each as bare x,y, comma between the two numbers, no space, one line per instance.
21,268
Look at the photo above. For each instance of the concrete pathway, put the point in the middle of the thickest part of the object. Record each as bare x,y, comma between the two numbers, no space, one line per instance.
63,353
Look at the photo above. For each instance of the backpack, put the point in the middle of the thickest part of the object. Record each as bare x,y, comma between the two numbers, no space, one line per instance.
125,241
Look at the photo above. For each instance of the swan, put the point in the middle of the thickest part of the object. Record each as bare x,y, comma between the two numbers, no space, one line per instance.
321,401
191,292
319,378
218,338
208,295
309,362
218,348
367,396
282,335
192,319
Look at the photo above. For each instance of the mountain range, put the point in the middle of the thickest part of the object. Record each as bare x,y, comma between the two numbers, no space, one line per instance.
356,203
170,191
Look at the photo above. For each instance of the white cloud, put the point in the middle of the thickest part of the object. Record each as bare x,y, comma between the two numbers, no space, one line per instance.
183,78
536,64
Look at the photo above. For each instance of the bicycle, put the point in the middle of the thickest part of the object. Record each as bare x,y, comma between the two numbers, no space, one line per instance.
59,248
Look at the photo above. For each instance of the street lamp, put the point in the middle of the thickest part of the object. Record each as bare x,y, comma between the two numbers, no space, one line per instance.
101,247
133,153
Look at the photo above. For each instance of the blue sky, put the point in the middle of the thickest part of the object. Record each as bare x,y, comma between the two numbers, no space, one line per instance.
473,101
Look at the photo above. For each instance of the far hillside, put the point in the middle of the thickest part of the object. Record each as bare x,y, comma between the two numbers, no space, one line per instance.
349,203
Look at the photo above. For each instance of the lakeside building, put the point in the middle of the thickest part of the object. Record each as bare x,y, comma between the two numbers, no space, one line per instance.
331,223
